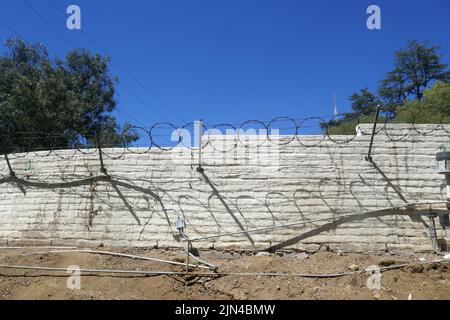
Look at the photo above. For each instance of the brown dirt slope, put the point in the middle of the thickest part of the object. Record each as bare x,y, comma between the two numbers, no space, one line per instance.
431,281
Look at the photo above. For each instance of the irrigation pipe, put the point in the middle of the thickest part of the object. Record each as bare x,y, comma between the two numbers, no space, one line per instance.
263,274
405,206
186,238
122,255
211,266
37,247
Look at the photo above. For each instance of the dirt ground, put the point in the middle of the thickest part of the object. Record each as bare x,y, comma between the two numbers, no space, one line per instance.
417,281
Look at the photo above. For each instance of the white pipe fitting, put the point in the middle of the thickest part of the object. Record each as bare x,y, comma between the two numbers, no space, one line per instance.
447,182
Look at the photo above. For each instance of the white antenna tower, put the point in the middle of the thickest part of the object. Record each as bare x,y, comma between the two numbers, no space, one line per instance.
335,111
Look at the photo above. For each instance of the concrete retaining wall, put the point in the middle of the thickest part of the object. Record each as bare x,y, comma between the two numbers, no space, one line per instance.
62,198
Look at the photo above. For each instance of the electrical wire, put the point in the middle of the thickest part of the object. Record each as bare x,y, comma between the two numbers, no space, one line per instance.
219,274
76,46
408,205
7,26
121,255
124,69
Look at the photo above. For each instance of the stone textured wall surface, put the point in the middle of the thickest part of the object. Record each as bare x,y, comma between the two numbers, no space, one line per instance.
61,197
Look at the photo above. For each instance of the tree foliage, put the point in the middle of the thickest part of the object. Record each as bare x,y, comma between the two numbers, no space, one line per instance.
417,89
437,98
50,103
415,68
364,102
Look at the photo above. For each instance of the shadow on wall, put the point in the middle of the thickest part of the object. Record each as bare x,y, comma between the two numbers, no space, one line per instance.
236,211
415,215
115,183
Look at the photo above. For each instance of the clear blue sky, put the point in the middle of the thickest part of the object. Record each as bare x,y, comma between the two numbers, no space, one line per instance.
233,60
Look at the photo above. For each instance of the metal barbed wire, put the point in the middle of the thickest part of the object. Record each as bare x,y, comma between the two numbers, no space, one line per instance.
294,126
292,131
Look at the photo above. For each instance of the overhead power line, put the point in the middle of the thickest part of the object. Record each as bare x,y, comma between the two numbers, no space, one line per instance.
7,26
155,111
87,35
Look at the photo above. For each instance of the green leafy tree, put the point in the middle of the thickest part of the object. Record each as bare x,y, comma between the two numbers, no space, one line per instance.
364,102
56,103
417,89
415,68
393,88
433,108
437,98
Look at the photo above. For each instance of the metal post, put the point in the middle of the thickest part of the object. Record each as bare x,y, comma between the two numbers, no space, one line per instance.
102,168
187,254
447,182
11,171
369,154
200,134
432,233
